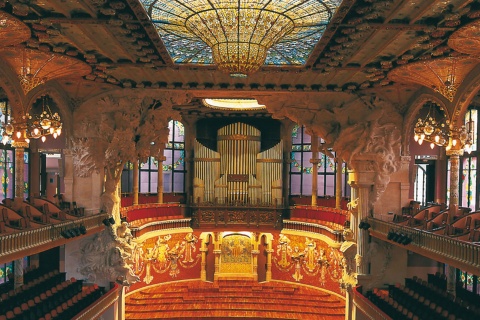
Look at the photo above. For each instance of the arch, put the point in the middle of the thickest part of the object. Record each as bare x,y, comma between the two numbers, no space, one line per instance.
469,90
411,115
11,85
54,91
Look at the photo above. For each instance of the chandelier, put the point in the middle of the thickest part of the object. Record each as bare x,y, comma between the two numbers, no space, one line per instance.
238,32
31,126
439,132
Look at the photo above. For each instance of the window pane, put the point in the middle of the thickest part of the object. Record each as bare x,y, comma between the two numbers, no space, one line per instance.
178,161
307,185
167,181
178,179
295,184
144,183
330,185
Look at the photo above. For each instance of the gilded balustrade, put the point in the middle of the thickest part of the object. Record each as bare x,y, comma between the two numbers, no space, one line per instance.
460,254
27,242
314,228
160,225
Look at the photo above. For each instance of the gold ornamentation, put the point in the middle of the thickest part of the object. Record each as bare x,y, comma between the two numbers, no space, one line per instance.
466,39
441,75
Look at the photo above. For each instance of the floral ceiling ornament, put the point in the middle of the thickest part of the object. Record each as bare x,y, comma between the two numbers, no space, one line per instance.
441,75
35,67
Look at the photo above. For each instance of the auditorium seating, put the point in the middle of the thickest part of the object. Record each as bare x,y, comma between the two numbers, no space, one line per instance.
419,299
233,298
47,295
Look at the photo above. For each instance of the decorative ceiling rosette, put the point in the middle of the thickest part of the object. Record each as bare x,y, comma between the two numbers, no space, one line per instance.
36,67
466,39
442,75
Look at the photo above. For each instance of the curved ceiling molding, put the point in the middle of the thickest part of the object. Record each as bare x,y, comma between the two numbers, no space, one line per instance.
36,67
466,39
233,104
12,30
441,75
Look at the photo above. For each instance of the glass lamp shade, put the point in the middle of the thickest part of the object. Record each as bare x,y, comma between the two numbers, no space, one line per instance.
45,123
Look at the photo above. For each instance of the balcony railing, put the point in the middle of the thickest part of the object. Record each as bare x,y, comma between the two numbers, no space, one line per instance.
27,242
460,254
335,235
368,309
161,225
96,309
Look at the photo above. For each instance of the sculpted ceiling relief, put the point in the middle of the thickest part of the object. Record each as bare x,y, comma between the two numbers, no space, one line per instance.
357,129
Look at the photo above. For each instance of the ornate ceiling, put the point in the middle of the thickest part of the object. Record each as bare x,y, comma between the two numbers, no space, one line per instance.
364,41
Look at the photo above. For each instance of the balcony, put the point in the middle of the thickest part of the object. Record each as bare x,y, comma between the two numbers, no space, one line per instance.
27,242
459,254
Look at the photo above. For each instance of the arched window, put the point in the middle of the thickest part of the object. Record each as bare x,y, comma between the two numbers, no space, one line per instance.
301,168
7,161
174,164
468,167
173,167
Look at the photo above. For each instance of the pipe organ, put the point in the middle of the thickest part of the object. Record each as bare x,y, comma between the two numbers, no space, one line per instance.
238,173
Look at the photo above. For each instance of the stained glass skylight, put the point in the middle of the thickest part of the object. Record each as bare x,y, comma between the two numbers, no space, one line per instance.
300,22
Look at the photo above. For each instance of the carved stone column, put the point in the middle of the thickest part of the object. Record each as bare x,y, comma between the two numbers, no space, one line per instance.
189,126
454,179
217,253
203,271
68,174
314,161
255,254
287,127
121,304
160,159
269,265
454,155
338,183
349,304
19,172
135,182
34,171
361,180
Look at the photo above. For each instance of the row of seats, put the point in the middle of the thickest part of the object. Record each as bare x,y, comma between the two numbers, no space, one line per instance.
64,304
15,297
436,218
419,299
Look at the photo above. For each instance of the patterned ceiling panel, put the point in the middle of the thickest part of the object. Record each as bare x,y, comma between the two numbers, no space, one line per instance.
310,18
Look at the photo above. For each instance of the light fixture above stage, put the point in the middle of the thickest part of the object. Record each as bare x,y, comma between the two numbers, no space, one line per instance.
442,75
233,104
239,33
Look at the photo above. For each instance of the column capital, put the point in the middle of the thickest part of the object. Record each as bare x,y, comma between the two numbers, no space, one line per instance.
315,161
456,152
161,158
